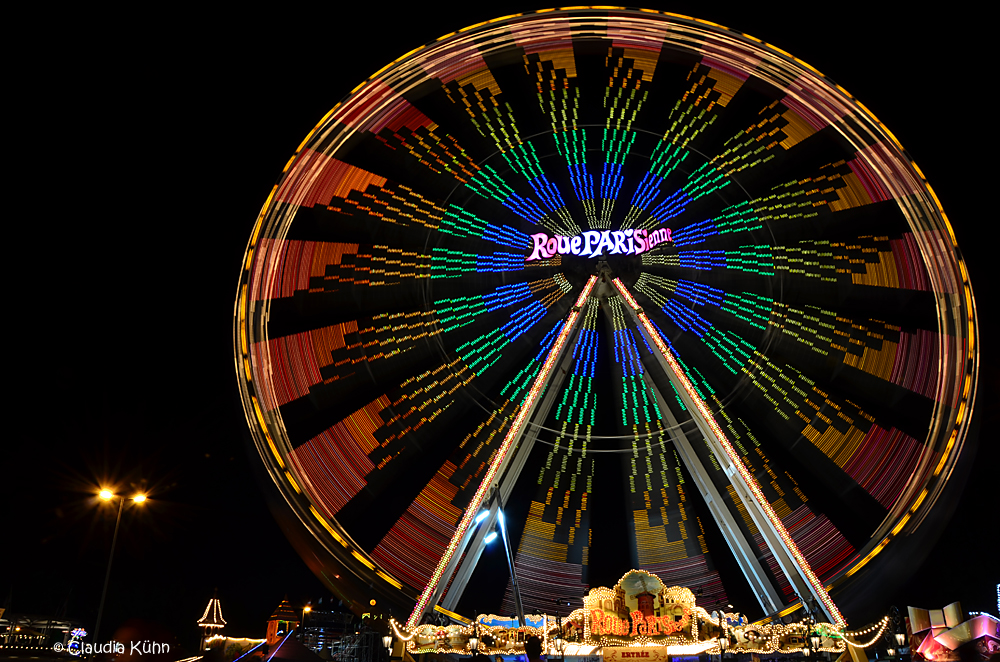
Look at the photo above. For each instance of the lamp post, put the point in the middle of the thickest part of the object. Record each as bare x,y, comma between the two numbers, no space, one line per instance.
560,645
894,636
303,632
898,628
108,495
812,639
474,639
560,641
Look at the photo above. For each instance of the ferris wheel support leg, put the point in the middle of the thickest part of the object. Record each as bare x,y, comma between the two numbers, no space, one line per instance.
449,561
791,561
510,474
743,550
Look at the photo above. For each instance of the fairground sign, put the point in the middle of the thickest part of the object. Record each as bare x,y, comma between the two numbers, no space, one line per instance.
592,243
641,609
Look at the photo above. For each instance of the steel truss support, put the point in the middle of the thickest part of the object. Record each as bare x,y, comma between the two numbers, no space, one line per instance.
791,561
742,549
459,541
513,470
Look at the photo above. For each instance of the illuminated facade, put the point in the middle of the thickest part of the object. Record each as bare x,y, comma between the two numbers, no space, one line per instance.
674,258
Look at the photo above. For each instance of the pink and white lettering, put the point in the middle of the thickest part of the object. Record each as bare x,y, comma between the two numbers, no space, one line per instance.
592,243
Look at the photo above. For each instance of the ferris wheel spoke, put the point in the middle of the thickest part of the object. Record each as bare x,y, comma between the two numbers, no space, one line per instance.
737,536
779,541
551,552
857,358
779,401
446,566
820,540
669,536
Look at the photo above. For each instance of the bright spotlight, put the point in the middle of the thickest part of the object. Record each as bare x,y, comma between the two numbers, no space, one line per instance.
139,498
107,495
490,537
482,515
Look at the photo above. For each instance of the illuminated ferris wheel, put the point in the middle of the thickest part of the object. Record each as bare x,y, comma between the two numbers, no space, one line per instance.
603,261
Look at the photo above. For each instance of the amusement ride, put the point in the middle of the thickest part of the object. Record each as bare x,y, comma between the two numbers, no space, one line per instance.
590,273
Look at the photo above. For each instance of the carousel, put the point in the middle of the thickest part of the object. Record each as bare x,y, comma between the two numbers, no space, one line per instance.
642,618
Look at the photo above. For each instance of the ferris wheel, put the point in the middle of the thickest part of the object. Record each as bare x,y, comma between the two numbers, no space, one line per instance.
604,261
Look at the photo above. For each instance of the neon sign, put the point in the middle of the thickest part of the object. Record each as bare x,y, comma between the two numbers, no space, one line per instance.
674,620
592,243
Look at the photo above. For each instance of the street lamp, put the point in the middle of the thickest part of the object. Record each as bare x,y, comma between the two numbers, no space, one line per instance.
559,642
814,637
474,639
107,495
560,645
895,636
387,642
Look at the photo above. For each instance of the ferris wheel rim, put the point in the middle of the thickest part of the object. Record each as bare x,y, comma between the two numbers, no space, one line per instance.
279,446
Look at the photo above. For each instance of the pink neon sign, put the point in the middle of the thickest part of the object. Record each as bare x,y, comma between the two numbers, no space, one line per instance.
592,243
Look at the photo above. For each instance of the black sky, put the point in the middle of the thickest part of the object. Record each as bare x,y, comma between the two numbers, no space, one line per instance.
144,149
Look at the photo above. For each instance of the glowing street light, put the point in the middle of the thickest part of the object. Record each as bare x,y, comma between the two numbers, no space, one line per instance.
107,495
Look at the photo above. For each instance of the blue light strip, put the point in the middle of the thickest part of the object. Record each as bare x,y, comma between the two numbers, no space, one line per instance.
523,379
463,223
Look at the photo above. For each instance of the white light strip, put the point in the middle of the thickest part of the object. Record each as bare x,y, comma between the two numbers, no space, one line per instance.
748,477
513,433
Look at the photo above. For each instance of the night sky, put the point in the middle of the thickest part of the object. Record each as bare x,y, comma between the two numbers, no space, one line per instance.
143,158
